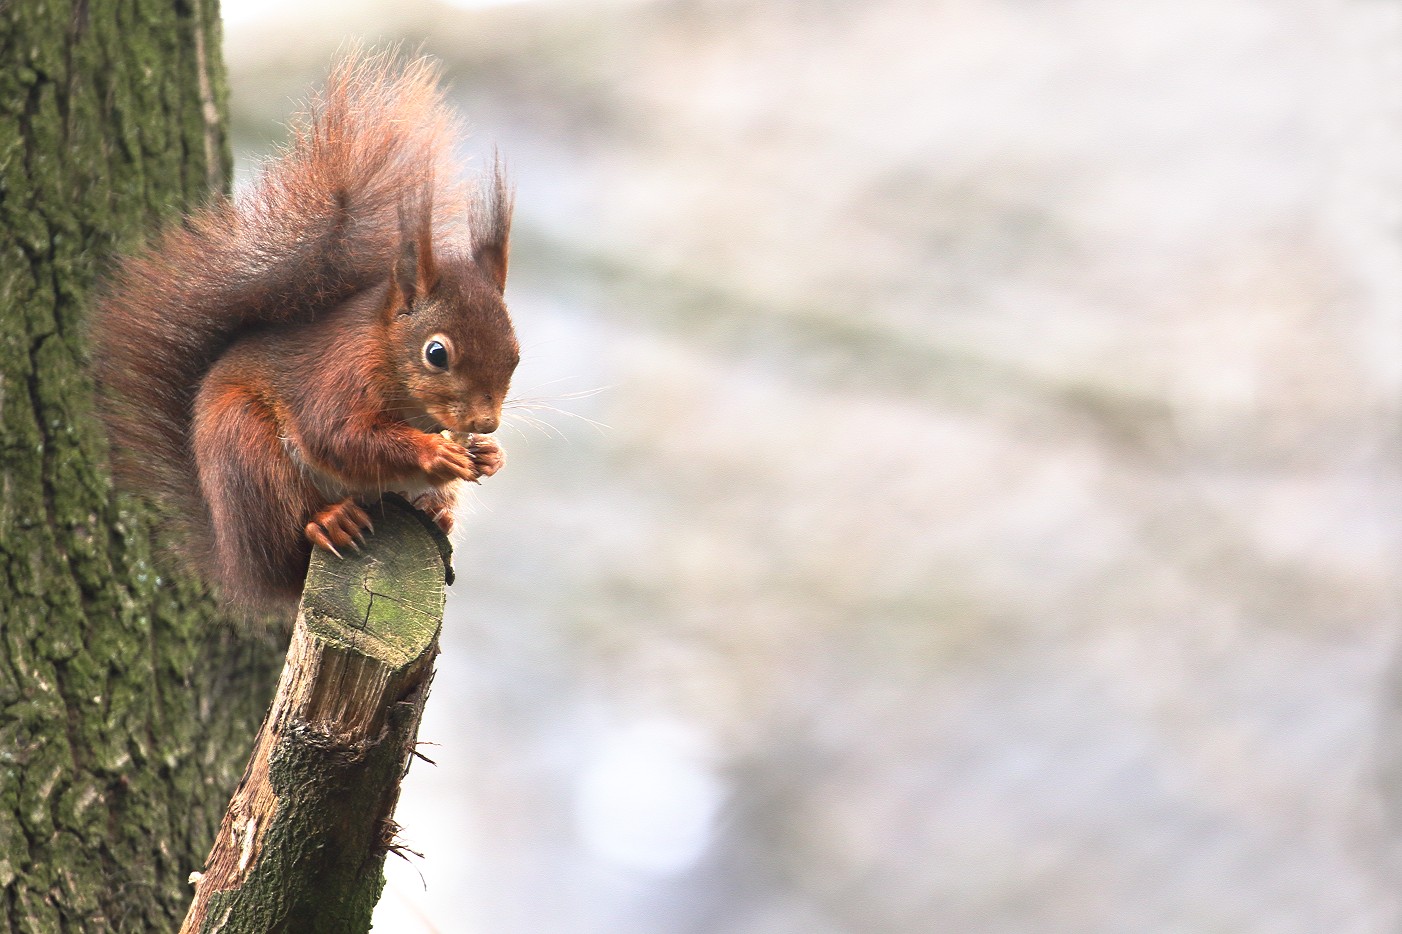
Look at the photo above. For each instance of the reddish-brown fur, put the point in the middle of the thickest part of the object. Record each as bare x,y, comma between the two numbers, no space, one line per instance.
264,367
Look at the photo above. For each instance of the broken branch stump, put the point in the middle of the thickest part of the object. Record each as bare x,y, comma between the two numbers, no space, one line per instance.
303,842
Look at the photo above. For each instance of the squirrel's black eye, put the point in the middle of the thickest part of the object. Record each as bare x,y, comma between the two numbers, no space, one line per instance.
436,355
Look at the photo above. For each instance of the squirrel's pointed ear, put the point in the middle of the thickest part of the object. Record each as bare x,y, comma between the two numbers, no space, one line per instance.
415,272
491,226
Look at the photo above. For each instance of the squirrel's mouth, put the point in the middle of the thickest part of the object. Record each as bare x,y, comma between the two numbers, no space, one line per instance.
435,427
458,423
431,422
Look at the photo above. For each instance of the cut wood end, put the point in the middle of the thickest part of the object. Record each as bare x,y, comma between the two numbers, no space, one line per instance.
387,601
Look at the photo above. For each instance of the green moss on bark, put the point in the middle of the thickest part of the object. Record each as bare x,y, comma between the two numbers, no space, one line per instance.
350,783
126,707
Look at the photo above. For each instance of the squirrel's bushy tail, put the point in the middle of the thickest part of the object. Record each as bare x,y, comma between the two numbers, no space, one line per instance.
320,223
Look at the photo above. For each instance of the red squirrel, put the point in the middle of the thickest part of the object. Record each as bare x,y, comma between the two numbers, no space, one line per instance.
276,361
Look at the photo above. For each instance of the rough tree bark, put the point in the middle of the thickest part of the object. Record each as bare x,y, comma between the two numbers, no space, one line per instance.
127,709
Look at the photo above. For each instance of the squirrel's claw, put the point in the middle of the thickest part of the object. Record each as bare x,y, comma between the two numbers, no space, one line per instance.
319,539
343,524
487,455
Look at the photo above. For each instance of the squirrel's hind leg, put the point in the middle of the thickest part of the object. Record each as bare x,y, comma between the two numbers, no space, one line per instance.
258,499
438,504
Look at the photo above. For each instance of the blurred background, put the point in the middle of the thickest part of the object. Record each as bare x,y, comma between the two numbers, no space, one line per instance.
957,482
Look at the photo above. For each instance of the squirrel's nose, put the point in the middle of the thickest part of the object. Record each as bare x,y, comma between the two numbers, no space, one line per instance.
483,424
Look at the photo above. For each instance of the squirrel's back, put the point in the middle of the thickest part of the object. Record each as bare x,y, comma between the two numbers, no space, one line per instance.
319,225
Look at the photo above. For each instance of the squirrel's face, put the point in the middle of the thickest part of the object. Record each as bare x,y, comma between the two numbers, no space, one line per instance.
457,352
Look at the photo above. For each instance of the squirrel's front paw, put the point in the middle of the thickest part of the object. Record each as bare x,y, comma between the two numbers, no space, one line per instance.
486,454
444,461
343,524
447,460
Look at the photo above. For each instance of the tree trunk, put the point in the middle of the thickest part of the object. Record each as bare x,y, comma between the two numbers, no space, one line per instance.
127,708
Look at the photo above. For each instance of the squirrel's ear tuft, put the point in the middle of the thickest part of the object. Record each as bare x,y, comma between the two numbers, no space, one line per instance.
415,272
491,225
